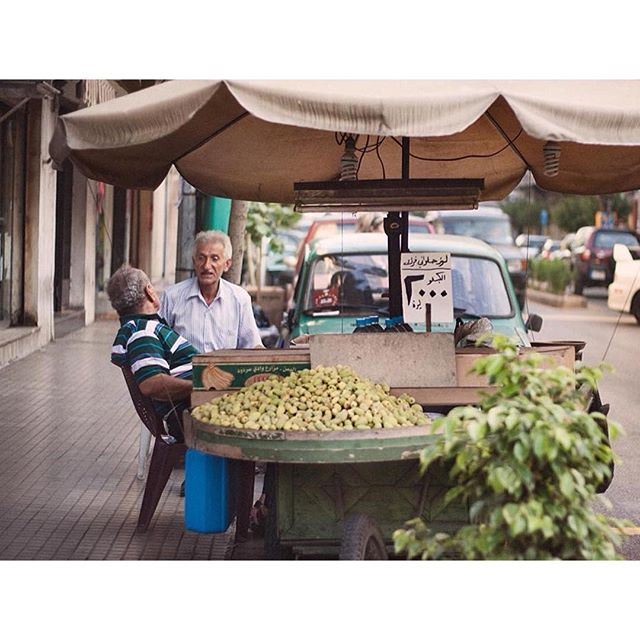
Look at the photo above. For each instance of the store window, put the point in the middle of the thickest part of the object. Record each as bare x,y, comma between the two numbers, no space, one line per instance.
12,158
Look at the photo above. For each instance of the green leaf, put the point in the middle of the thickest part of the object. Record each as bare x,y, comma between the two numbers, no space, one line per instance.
567,485
519,452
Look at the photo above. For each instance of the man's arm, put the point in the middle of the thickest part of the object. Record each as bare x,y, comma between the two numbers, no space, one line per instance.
163,386
248,334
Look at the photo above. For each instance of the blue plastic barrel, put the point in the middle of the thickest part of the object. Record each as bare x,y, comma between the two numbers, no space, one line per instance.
209,492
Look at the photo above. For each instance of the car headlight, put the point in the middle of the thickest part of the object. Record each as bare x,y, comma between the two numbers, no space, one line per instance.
516,264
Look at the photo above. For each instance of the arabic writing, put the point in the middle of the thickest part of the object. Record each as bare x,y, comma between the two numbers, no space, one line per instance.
424,260
426,279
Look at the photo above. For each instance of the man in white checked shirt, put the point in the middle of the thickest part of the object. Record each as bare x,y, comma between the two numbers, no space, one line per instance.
208,311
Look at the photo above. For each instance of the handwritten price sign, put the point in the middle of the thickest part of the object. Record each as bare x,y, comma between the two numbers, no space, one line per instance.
426,279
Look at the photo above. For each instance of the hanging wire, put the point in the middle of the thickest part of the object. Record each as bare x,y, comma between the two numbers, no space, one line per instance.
471,155
384,173
100,213
341,279
526,263
615,328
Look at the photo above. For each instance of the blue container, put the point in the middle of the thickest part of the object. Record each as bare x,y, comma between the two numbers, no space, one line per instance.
209,492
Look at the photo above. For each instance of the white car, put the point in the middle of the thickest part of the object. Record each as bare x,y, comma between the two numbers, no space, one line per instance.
624,291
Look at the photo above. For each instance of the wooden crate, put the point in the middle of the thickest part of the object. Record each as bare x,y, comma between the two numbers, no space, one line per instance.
237,368
559,355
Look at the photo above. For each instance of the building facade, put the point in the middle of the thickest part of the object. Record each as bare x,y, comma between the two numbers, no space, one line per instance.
62,235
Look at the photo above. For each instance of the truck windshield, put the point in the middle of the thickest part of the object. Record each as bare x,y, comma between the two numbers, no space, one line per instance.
492,231
351,284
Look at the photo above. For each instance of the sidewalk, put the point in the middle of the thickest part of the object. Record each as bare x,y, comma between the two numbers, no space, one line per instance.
68,462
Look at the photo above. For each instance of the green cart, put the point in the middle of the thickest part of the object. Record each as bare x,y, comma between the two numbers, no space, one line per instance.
338,494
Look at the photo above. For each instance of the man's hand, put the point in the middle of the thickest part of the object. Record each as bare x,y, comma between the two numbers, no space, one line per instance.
162,386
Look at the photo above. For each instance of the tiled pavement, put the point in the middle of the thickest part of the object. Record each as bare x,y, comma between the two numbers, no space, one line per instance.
68,460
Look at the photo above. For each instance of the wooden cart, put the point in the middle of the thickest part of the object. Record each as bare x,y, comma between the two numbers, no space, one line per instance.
337,494
345,493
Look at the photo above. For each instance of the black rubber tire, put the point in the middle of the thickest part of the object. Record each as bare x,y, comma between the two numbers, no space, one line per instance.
361,539
635,307
596,405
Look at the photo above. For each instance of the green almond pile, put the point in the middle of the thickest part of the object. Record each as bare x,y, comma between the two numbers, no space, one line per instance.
319,399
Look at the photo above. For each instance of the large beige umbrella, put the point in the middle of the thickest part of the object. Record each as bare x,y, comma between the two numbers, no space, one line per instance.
252,140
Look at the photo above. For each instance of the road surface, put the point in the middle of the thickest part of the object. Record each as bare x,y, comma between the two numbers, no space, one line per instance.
616,339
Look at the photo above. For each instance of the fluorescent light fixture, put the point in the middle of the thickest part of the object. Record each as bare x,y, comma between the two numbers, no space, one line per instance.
388,195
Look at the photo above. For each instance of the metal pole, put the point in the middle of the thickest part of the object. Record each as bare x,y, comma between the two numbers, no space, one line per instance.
396,226
406,158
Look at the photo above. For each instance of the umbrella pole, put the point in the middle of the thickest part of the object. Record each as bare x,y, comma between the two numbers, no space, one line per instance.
396,226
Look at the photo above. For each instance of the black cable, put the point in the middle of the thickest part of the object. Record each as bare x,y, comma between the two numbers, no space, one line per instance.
384,174
615,329
98,211
366,144
472,155
526,263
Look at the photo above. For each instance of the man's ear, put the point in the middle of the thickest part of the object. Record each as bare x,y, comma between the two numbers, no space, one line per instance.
227,264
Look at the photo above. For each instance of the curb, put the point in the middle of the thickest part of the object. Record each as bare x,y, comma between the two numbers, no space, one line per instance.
554,300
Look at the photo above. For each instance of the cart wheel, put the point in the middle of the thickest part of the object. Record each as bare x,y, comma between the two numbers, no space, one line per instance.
361,539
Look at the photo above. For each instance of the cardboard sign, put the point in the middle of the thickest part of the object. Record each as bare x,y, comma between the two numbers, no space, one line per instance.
426,279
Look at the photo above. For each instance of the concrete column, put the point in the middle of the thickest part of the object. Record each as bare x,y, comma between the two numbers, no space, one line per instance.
90,254
158,214
78,240
40,221
171,243
107,233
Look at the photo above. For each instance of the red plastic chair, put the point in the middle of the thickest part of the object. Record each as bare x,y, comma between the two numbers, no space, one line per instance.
166,452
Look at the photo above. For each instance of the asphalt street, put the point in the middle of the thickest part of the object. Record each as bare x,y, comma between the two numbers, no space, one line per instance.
615,339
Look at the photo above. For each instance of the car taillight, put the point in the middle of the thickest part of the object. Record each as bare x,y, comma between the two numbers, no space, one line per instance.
585,255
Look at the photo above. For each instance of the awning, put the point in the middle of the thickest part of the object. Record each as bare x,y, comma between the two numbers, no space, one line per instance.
252,140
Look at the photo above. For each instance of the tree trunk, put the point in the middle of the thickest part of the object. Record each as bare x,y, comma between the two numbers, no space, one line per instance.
237,224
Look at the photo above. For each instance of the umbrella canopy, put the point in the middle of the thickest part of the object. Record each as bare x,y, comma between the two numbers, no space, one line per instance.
252,140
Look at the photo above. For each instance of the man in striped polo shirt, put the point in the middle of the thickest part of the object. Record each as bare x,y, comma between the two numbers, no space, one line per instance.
207,310
159,358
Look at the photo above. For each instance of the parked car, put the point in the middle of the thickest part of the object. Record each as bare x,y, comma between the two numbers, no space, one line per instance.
493,226
480,284
530,245
592,255
624,291
549,248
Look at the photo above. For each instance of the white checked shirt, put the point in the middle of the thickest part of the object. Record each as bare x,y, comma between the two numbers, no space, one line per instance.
227,323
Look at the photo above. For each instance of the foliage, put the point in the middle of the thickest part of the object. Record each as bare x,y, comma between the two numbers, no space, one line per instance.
567,211
265,219
556,273
572,212
528,461
524,214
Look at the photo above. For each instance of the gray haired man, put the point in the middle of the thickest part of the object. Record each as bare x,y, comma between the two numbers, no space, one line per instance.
208,311
159,358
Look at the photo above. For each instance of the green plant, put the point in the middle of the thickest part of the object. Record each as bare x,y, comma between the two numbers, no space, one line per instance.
527,461
558,275
572,212
265,219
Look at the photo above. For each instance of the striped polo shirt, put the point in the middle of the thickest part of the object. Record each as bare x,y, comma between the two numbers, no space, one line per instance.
148,346
226,323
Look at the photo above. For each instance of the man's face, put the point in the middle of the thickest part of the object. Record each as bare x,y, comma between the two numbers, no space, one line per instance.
209,263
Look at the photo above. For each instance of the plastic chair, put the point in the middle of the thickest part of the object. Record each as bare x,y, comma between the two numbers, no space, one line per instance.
166,452
143,451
